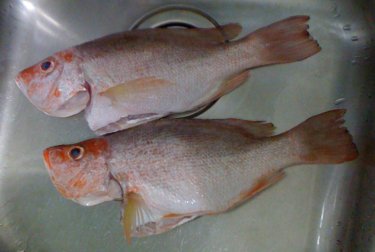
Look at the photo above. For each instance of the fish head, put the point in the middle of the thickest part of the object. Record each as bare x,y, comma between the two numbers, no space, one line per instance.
56,85
80,171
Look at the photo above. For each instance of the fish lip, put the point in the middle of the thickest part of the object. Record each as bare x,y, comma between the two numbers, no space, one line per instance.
46,159
19,82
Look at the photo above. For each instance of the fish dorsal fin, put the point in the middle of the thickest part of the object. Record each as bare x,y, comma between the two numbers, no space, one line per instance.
257,129
217,35
136,213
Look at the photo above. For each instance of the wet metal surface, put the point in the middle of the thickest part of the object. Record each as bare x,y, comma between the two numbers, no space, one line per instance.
312,209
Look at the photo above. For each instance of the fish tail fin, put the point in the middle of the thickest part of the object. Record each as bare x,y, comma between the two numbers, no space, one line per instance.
282,42
322,139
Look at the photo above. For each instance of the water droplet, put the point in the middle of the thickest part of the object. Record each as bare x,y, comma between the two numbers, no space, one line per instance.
355,38
347,27
339,101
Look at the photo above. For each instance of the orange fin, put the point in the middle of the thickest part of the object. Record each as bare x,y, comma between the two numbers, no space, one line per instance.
213,35
234,82
225,88
172,215
322,139
260,185
285,41
230,31
257,129
138,88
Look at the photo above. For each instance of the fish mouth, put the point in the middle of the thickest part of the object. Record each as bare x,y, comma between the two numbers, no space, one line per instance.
20,83
46,159
72,106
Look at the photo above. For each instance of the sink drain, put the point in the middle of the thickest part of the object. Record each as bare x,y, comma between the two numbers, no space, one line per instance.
179,17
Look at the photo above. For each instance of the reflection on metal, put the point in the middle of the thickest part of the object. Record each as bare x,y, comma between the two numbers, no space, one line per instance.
317,201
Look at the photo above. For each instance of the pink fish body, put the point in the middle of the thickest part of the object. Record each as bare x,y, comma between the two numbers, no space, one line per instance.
130,78
168,172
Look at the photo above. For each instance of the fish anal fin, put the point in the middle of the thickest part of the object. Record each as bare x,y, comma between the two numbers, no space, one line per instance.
233,82
226,87
260,185
231,31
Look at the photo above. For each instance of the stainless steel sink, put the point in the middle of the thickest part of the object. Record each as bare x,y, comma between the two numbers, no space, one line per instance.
316,208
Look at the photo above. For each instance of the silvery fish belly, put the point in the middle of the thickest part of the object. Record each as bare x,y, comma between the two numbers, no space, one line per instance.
131,78
171,171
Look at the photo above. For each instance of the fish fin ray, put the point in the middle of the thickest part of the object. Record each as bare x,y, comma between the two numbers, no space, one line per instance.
322,139
260,185
282,42
136,213
256,129
139,88
226,87
233,82
219,34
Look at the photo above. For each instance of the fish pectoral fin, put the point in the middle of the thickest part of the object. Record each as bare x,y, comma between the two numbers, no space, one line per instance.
138,90
260,185
136,213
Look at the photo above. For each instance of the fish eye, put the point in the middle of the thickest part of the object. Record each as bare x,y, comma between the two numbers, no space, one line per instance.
46,66
76,153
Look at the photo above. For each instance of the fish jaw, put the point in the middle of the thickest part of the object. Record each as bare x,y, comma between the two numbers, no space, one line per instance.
114,192
59,90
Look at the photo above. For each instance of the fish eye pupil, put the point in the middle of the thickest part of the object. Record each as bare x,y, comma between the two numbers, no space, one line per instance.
46,65
76,153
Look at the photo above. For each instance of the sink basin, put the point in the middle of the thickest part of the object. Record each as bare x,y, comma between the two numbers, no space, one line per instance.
315,208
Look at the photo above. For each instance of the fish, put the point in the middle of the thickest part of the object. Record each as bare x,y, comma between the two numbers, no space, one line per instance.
131,78
170,171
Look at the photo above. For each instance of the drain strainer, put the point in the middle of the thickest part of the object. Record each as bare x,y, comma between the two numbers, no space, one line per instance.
178,17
